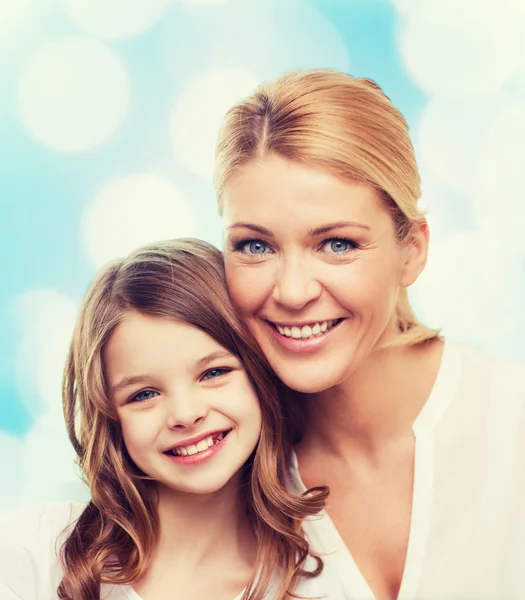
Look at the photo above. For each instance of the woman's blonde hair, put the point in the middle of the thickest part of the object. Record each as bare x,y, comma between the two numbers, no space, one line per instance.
344,125
115,536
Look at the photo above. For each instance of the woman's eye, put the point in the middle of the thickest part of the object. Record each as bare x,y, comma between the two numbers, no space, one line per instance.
215,373
252,247
338,245
143,395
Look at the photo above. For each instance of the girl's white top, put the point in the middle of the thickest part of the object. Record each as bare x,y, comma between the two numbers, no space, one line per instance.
467,531
30,568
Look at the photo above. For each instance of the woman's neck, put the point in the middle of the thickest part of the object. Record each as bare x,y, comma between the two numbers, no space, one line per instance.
376,405
194,527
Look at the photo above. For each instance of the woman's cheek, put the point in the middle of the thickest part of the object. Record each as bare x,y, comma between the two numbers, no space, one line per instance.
246,287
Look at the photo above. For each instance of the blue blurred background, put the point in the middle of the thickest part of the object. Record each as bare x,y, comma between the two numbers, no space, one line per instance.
108,115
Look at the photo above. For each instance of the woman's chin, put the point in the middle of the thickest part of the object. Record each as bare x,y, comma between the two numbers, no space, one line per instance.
308,380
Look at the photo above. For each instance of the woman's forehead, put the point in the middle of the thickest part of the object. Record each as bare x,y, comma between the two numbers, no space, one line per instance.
279,191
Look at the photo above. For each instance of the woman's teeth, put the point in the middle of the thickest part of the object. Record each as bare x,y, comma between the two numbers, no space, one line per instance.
308,331
200,447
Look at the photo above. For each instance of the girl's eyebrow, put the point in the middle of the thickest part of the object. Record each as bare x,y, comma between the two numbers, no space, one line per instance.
134,379
213,356
127,381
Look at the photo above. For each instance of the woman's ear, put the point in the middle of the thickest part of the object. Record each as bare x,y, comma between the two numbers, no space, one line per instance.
416,252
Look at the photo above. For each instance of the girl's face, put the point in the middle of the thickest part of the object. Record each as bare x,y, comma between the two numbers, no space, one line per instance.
313,264
189,415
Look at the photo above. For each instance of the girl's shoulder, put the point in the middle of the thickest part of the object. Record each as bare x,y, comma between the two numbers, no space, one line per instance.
30,541
36,524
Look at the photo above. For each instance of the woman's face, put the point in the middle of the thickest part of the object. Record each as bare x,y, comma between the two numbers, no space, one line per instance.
314,266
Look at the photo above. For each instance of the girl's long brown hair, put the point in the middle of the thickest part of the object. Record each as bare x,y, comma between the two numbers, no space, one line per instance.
113,540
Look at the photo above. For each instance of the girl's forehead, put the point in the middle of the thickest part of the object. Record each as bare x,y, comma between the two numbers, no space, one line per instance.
144,340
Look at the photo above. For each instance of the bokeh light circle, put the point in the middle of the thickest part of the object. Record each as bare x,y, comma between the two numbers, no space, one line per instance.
135,210
204,2
449,134
73,93
198,114
458,48
497,190
473,287
276,38
115,19
46,319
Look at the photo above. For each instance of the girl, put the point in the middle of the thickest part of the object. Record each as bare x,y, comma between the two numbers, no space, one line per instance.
175,420
421,441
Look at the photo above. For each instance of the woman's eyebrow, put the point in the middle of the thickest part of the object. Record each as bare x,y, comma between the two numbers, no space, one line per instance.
338,225
256,228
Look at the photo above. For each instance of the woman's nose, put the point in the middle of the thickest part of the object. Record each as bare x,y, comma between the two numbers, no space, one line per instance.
295,284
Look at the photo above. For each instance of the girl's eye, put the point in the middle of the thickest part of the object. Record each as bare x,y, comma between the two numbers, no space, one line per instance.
339,245
252,247
143,395
215,373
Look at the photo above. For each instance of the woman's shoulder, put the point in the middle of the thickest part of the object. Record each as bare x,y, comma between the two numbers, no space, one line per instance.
31,538
325,586
491,387
328,585
479,365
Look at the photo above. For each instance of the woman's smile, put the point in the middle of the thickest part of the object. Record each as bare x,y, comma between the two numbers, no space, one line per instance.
309,337
316,286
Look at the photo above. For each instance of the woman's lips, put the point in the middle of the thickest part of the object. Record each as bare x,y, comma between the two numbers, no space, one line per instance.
310,343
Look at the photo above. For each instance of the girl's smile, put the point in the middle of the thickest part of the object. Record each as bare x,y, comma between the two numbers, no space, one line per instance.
190,417
199,449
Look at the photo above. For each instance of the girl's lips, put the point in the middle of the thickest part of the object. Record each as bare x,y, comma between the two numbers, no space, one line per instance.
194,440
300,345
199,457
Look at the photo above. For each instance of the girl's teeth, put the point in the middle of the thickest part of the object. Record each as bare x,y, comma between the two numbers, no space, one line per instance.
202,445
307,331
192,449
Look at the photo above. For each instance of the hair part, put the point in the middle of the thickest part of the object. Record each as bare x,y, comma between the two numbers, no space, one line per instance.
344,125
114,538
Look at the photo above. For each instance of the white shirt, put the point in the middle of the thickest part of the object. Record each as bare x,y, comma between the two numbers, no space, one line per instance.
30,568
467,531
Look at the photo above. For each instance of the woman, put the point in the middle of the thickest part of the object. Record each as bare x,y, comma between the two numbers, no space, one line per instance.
174,417
420,440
